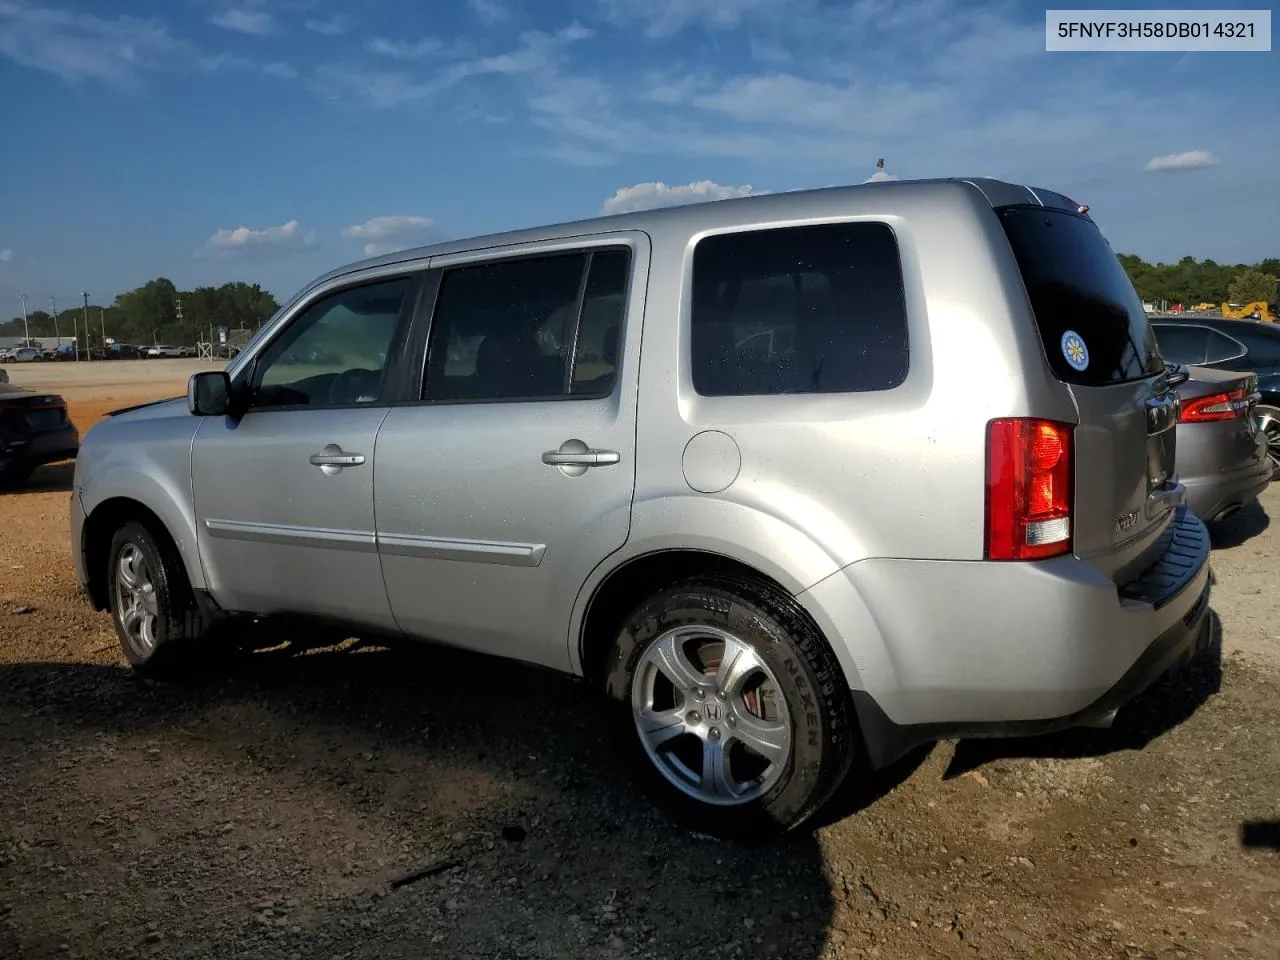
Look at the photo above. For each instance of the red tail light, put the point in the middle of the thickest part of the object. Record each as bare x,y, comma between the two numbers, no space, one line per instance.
1029,471
1217,406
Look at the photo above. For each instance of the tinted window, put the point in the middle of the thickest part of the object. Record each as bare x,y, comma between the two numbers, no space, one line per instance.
1221,347
334,353
798,310
507,330
1180,343
1075,283
1263,344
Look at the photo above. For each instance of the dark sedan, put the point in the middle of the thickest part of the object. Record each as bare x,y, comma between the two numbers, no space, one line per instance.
1241,345
1222,456
34,430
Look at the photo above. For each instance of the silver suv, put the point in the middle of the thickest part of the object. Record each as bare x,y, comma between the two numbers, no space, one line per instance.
798,481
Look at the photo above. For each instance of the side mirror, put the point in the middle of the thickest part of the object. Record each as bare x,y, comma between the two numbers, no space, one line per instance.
209,394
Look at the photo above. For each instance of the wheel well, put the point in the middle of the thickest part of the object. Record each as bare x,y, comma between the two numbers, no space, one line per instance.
100,527
637,580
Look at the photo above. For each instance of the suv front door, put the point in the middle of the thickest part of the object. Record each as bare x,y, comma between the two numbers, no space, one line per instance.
511,479
284,493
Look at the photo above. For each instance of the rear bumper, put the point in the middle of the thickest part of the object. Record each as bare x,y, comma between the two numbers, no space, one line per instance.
1212,495
41,448
943,649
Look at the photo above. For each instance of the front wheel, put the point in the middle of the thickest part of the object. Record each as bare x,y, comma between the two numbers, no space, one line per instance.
731,707
1268,419
159,626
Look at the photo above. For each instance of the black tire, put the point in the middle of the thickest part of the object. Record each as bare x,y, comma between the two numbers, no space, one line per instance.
824,736
180,630
14,477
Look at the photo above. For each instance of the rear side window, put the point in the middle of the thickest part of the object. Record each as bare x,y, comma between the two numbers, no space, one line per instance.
1091,321
798,310
1263,344
1180,343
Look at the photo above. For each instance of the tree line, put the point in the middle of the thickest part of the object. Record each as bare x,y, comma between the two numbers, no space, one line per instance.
150,315
1191,281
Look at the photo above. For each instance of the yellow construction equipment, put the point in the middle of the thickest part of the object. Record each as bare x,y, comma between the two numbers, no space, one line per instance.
1259,310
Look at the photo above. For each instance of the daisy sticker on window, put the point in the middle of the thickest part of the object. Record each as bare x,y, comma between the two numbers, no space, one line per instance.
1074,350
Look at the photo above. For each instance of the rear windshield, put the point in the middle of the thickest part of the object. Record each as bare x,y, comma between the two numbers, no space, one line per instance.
1091,320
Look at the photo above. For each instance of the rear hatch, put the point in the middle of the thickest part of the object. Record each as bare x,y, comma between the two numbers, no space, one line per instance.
1097,341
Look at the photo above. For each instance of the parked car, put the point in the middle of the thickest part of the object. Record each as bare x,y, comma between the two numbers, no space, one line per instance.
6,354
1242,345
34,430
27,355
940,502
1222,455
167,351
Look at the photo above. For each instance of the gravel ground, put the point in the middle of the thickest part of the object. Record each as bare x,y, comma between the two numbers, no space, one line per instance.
364,802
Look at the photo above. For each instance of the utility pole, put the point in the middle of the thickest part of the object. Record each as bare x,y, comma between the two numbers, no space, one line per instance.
54,303
87,341
26,332
102,322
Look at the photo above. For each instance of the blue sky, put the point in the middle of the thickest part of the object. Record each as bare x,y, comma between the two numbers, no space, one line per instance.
269,140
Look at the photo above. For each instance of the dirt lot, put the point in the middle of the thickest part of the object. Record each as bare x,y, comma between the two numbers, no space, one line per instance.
266,811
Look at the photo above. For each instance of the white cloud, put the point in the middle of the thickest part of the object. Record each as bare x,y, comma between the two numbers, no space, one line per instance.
490,12
1182,161
534,56
245,20
6,255
378,249
82,46
880,176
652,195
243,238
662,18
404,50
333,27
388,228
280,69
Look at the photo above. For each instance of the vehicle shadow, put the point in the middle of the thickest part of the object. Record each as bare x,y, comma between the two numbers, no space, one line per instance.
1166,704
1243,525
1260,835
497,781
51,478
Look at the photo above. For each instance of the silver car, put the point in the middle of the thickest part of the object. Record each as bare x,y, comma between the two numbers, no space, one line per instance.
798,481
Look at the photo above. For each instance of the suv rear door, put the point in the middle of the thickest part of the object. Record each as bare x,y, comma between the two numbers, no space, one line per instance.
1098,342
511,479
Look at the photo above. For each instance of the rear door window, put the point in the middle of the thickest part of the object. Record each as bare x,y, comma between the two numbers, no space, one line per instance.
1090,318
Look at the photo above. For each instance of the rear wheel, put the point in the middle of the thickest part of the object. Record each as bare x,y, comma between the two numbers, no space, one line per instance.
1268,419
159,626
731,707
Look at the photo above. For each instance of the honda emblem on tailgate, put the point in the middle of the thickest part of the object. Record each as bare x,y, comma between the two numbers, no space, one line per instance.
1126,521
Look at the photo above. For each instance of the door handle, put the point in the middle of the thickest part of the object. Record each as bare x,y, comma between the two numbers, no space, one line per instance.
332,459
585,458
337,459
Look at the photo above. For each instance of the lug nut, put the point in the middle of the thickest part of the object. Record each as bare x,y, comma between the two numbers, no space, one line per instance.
693,717
714,733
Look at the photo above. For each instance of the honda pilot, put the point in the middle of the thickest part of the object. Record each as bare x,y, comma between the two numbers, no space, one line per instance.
797,482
